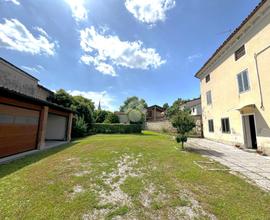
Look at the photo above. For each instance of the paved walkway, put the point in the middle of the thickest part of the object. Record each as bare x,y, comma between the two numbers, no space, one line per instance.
251,165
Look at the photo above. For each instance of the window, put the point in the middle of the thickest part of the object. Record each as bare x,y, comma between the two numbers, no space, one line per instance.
209,98
240,52
211,125
243,82
225,124
207,78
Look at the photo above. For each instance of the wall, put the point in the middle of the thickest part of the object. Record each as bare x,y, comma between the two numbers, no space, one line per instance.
123,118
197,110
42,94
13,79
160,126
224,87
166,125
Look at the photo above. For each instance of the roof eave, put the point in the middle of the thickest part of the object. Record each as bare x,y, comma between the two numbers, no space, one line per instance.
227,41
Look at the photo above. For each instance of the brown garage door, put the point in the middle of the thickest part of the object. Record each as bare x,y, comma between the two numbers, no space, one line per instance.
18,129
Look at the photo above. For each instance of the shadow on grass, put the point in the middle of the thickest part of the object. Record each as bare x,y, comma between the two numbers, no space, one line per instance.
13,166
204,152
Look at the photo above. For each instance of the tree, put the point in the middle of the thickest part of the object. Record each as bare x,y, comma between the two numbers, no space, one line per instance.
111,118
100,116
83,107
133,103
61,97
184,123
166,106
172,110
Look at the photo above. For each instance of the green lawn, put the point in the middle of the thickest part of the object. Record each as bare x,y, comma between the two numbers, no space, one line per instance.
124,177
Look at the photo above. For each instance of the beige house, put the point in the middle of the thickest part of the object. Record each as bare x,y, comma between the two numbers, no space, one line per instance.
235,85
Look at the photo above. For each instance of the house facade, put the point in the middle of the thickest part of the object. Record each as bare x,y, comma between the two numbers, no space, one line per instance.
235,85
28,121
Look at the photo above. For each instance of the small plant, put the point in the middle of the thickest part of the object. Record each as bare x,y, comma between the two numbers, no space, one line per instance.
184,123
164,130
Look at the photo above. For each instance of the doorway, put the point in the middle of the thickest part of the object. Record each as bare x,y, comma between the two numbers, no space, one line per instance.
249,127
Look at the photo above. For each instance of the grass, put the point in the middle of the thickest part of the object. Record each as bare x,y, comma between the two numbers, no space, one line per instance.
124,176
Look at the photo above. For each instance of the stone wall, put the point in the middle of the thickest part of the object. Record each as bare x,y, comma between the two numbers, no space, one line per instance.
166,126
160,126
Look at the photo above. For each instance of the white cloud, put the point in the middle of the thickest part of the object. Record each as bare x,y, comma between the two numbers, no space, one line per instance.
15,36
41,31
16,2
106,51
149,11
36,69
193,57
106,100
78,9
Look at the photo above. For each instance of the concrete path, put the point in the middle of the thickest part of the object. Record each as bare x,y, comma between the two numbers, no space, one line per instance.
250,165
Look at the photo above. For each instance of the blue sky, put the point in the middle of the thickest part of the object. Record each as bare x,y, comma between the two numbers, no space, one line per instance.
113,49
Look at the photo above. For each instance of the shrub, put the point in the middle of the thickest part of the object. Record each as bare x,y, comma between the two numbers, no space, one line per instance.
116,128
79,127
111,118
184,123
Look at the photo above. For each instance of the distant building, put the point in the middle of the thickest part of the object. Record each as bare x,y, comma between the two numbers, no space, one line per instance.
123,117
195,108
155,113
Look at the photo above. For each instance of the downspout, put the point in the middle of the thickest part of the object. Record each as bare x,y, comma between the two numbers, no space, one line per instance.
258,74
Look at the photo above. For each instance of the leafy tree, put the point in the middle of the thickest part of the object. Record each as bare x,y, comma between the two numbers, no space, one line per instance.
61,97
133,103
100,116
111,118
184,123
166,106
83,107
174,109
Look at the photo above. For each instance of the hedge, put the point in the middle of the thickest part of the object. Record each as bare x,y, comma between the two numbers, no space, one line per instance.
102,128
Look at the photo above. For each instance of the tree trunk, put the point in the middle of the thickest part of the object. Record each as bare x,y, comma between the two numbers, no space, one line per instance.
183,145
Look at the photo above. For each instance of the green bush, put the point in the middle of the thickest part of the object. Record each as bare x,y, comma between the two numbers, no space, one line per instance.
116,128
79,127
111,118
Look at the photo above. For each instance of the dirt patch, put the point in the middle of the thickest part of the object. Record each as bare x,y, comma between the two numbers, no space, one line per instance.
155,201
76,190
81,173
125,168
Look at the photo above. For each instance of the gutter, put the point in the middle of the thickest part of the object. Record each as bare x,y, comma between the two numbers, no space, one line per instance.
258,74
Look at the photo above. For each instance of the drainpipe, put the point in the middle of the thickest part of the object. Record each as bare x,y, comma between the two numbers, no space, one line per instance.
258,74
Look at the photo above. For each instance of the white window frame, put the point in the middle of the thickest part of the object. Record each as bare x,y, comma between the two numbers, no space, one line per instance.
241,74
209,95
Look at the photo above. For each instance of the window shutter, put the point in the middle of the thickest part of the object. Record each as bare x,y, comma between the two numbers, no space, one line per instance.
240,83
245,80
